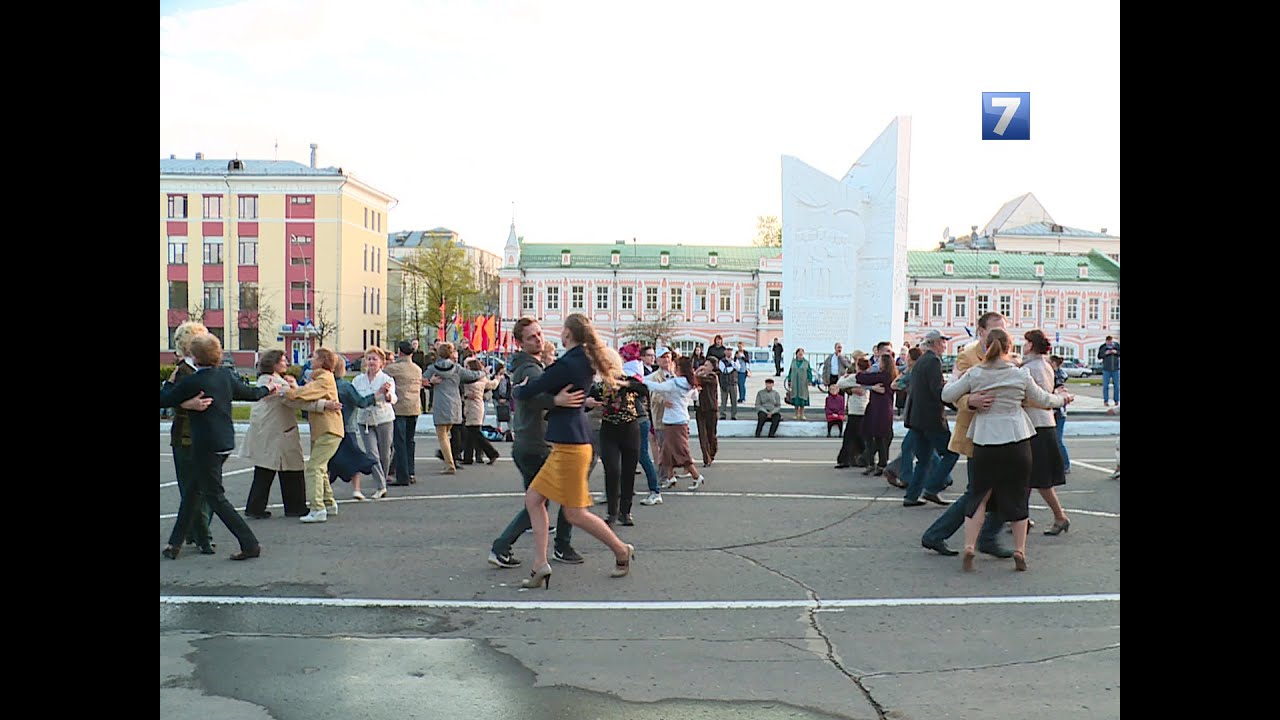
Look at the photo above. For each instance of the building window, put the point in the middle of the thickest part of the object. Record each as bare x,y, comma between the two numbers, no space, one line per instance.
248,296
1091,355
983,305
300,239
177,251
995,268
248,251
526,298
700,299
301,200
377,261
1028,309
1068,352
213,296
1084,272
628,299
775,301
749,300
726,300
177,294
665,259
213,251
553,298
213,207
935,307
1115,310
948,268
377,293
602,298
299,286
364,334
913,302
1051,308
566,258
651,299
178,207
713,260
249,338
960,307
675,298
1039,269
248,207
366,256
364,300
1073,308
615,258
1006,305
300,261
218,333
171,331
1095,309
298,307
366,225
577,297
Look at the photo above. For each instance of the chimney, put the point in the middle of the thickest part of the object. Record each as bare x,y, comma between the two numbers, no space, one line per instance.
199,156
313,155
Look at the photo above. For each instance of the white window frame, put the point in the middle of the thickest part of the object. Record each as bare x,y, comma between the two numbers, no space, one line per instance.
960,306
726,301
627,298
1094,309
178,204
749,302
553,298
176,242
577,297
1051,308
1028,309
1073,308
651,299
1006,305
937,306
205,246
982,305
700,300
527,299
211,207
248,207
775,300
243,243
1115,310
214,296
913,305
675,299
602,297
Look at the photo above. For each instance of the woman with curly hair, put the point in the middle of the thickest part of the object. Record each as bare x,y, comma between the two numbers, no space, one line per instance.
563,477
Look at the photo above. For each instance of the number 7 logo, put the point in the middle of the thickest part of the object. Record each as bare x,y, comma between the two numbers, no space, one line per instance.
1006,116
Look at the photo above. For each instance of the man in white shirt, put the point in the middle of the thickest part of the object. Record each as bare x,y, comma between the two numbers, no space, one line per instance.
835,366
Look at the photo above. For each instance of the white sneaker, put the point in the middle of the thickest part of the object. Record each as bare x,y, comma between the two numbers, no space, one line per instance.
698,483
653,499
357,495
315,516
332,509
380,494
668,483
680,475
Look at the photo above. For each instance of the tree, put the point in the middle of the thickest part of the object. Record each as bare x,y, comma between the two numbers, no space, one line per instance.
326,326
196,313
768,232
647,331
445,276
265,318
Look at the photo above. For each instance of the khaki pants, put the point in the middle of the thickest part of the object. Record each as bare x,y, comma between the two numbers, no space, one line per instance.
446,448
319,491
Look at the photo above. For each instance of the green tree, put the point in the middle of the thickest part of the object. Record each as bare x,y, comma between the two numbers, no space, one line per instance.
442,270
652,327
768,232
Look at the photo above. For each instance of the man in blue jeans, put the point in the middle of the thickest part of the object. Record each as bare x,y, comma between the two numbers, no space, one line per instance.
529,448
1109,354
928,428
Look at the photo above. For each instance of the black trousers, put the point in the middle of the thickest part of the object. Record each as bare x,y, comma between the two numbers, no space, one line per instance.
877,444
475,444
293,491
206,470
620,452
773,419
837,424
853,447
199,530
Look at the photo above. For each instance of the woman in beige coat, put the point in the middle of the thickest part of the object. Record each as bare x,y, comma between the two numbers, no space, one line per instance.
474,443
272,443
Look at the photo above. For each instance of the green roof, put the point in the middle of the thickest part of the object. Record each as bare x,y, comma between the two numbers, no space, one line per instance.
976,265
736,258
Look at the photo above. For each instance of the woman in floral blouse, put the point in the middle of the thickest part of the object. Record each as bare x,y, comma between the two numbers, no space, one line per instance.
619,442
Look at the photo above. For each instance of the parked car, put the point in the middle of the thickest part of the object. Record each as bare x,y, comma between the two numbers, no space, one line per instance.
1096,367
1074,369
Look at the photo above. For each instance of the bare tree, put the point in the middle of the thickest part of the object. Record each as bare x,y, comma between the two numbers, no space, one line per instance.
265,318
648,330
196,313
326,326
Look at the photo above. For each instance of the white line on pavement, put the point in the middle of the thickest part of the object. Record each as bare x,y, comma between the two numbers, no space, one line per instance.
635,605
704,493
1093,467
225,474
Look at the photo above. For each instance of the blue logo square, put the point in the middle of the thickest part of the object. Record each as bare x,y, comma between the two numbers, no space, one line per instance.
1006,116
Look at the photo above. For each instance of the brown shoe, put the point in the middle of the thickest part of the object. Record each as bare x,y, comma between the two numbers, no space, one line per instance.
247,554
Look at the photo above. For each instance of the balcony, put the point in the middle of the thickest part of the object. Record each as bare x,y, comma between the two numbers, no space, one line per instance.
775,314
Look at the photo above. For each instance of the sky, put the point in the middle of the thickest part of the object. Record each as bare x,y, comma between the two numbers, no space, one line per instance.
661,121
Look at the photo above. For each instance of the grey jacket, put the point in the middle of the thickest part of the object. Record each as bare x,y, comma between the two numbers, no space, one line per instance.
768,401
447,408
528,422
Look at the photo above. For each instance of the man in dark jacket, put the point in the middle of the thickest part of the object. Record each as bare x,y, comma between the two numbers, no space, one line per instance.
1109,355
926,421
529,449
777,357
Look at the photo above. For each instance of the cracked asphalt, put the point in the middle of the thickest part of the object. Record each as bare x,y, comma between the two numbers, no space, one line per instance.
786,589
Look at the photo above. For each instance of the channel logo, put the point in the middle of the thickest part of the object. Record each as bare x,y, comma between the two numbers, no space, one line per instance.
1006,116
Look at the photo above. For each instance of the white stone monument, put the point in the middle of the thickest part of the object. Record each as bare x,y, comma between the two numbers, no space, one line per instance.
844,249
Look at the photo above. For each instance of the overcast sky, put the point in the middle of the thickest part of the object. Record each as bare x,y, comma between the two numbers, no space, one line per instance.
662,121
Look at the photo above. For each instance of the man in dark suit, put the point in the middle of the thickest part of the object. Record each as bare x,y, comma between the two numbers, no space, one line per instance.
927,423
777,357
212,440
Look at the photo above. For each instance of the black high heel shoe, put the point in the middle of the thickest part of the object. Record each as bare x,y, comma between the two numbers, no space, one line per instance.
1056,529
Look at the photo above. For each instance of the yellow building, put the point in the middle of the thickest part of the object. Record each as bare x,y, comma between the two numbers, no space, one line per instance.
272,254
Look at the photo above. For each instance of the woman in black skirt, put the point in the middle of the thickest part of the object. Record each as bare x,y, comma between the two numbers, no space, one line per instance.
1002,443
877,424
1048,469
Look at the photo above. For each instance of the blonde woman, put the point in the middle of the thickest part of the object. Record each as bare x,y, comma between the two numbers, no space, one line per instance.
376,423
563,477
180,436
1002,442
326,434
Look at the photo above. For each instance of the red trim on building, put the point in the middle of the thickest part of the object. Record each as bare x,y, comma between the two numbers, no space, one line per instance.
178,272
176,227
177,317
211,273
294,209
215,318
300,228
211,229
247,229
247,273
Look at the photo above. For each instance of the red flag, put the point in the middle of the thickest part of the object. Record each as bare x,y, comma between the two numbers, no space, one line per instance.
440,332
491,332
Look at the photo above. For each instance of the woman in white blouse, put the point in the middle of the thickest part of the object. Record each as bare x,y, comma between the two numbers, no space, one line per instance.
1002,442
375,422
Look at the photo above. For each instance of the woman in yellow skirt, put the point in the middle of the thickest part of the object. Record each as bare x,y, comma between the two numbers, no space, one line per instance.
563,478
